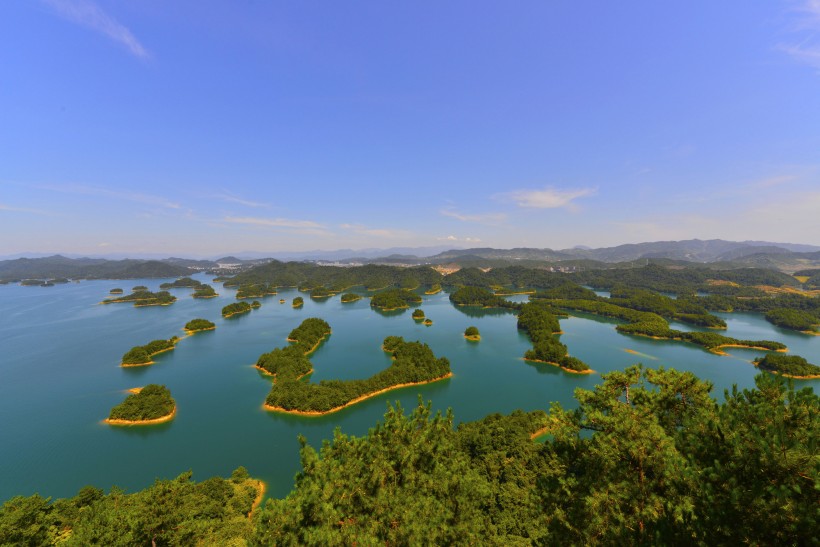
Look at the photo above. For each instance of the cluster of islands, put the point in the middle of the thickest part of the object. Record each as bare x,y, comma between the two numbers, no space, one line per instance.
649,456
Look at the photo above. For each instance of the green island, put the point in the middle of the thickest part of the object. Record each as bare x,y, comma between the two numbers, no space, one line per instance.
298,302
235,308
141,355
394,299
427,322
116,291
182,283
350,297
472,334
256,304
254,290
413,363
205,291
481,297
197,325
418,314
321,292
151,404
790,366
538,321
434,289
144,298
422,478
140,288
291,362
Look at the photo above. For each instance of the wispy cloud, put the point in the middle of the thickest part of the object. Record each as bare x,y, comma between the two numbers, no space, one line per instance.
83,189
232,198
274,222
547,198
454,239
805,46
12,209
86,13
485,218
376,232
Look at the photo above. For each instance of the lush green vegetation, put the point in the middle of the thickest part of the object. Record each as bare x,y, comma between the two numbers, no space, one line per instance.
349,297
434,289
541,325
204,291
195,325
418,314
647,458
140,288
471,333
788,365
478,296
321,292
182,283
427,322
170,512
144,298
413,362
256,304
793,319
254,290
309,333
116,291
298,302
141,355
235,309
151,403
392,299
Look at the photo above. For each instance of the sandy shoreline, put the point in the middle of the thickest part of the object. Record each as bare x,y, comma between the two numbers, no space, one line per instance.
192,332
260,487
473,338
588,371
353,401
161,419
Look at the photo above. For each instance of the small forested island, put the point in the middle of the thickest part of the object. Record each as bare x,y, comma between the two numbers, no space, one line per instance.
418,314
205,291
350,297
309,334
790,366
472,334
181,283
256,304
794,319
427,322
116,291
394,299
413,364
479,296
298,302
144,298
140,288
151,404
291,362
281,300
254,290
434,289
235,309
541,325
141,355
321,292
196,325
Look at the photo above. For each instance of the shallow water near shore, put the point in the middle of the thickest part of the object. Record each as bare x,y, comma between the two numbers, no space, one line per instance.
60,376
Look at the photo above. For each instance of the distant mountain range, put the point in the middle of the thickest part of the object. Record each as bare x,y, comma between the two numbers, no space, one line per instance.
716,253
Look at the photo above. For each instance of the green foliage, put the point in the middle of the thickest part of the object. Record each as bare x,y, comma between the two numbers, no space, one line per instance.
395,299
140,288
793,319
204,291
309,333
478,296
141,355
254,290
199,324
320,292
418,314
350,297
413,362
181,283
298,302
787,365
152,402
471,331
256,304
144,298
540,324
116,291
235,309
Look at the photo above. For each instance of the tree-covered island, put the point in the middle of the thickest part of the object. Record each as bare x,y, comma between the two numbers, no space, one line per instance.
116,291
479,296
291,362
205,291
197,325
182,283
235,309
418,314
790,366
141,355
144,298
254,290
472,334
319,293
394,299
151,404
538,321
298,302
350,297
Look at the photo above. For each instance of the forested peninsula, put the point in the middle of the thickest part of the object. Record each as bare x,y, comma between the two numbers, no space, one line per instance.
144,298
142,355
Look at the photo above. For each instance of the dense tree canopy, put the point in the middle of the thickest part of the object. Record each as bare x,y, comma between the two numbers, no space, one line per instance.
141,355
395,299
145,298
235,309
195,325
149,403
788,365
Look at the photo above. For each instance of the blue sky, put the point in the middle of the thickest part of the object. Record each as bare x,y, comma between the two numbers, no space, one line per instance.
200,128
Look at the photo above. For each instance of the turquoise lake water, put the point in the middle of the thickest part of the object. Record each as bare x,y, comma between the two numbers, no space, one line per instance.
60,375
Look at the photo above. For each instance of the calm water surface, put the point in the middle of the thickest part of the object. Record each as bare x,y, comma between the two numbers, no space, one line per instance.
59,377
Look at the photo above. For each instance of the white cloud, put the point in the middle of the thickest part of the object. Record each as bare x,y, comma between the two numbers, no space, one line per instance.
89,15
454,239
274,222
11,209
805,48
231,198
485,218
88,190
547,198
376,232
